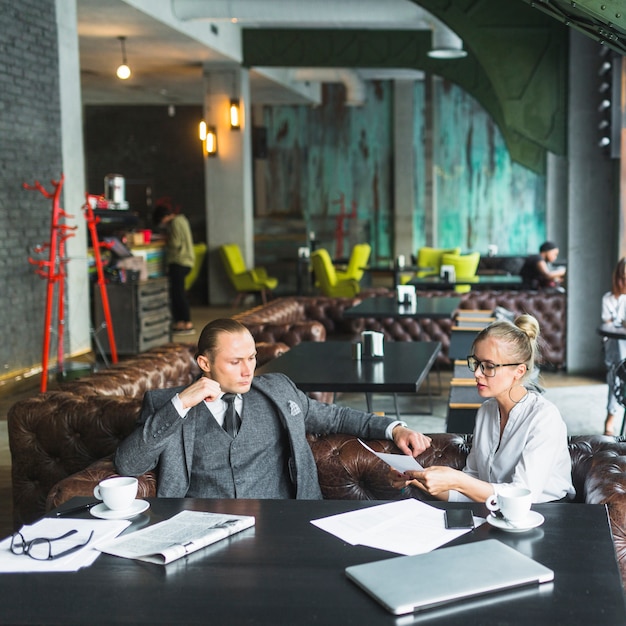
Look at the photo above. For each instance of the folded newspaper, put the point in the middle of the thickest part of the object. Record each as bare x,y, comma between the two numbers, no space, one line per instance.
173,538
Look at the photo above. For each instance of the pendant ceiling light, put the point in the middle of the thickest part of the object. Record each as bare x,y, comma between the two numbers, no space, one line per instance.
123,71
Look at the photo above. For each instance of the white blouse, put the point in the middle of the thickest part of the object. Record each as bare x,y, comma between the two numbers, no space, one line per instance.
532,453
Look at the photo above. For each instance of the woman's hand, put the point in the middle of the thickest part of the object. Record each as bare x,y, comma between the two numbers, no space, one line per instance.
436,480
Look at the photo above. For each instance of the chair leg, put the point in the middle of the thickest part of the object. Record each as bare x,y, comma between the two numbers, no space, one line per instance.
263,298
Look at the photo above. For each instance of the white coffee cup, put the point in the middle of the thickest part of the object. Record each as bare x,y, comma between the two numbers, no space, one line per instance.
117,493
512,502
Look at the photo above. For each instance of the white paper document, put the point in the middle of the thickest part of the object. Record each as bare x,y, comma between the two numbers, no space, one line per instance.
186,532
405,527
55,527
401,462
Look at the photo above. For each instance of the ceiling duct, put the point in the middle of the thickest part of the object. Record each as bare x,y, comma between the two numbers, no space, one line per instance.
355,13
355,87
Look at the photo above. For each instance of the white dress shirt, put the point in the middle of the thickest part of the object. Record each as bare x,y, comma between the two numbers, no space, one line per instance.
532,452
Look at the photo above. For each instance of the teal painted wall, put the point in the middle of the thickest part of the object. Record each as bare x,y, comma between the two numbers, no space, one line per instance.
333,160
482,196
319,155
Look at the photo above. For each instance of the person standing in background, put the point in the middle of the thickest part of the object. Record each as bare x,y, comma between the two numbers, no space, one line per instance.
614,312
179,258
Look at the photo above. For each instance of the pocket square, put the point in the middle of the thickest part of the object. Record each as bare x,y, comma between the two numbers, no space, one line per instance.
294,409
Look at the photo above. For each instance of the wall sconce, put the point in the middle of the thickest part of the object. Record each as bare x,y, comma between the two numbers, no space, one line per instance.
123,71
211,141
235,123
208,135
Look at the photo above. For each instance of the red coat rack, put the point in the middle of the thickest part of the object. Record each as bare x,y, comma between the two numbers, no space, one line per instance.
54,271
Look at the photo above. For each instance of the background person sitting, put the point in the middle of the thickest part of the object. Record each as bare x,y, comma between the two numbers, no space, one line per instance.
538,271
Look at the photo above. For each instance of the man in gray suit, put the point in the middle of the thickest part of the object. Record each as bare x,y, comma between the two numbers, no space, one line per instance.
203,448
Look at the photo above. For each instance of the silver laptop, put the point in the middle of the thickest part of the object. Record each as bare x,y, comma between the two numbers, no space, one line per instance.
413,583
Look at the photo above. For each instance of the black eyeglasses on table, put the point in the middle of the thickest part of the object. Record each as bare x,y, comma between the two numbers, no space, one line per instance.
488,368
40,548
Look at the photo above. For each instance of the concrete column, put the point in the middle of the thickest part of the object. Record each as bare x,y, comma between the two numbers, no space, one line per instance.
404,168
78,318
229,205
592,212
556,201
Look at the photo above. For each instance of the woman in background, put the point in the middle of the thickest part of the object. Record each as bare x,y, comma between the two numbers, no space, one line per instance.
520,438
614,312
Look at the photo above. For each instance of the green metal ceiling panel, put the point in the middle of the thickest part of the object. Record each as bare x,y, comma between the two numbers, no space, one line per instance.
602,20
516,65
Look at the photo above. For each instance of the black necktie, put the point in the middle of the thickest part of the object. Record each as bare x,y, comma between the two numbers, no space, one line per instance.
231,418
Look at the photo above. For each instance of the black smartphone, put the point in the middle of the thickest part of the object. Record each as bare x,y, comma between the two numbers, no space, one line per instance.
459,518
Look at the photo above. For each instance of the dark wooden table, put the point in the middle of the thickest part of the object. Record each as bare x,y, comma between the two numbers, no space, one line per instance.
287,571
329,366
611,331
487,281
434,307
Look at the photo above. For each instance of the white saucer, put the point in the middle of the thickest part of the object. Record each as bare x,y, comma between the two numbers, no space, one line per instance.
104,512
533,520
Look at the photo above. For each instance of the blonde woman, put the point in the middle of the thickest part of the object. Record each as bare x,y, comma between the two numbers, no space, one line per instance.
520,438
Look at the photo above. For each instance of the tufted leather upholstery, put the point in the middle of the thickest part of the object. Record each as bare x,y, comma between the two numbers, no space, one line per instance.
347,471
292,320
57,433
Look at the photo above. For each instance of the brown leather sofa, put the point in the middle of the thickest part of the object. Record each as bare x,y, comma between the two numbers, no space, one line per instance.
348,472
292,320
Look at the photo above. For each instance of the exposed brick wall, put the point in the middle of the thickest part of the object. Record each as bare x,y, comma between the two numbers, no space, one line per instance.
29,150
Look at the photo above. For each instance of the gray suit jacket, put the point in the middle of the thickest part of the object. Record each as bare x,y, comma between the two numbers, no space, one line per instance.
165,441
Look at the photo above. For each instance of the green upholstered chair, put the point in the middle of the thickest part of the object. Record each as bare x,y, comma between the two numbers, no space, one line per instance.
429,258
326,277
200,252
465,266
243,280
358,259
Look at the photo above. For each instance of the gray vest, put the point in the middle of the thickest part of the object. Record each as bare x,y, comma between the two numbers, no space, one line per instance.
252,465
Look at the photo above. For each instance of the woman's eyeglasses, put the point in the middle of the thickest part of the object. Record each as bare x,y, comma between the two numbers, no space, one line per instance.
41,548
488,368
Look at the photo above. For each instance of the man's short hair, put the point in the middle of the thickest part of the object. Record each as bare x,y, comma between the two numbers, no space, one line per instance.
207,342
546,246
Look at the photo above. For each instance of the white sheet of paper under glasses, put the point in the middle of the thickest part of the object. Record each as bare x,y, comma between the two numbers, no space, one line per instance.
55,527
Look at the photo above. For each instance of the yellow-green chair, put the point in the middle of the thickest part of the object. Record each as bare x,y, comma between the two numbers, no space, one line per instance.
432,258
326,277
429,258
358,260
465,267
200,252
243,280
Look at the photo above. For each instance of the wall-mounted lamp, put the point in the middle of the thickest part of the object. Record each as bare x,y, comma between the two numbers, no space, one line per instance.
235,122
123,71
208,135
211,141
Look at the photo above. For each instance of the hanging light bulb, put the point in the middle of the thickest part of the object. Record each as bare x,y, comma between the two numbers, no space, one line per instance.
123,71
202,131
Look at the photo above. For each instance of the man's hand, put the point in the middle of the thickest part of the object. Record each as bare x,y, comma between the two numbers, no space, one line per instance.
202,389
409,441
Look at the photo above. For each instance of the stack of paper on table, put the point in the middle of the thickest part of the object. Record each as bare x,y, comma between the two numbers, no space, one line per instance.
55,527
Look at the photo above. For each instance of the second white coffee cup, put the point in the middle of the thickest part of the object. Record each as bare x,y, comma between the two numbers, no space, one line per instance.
117,493
512,502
